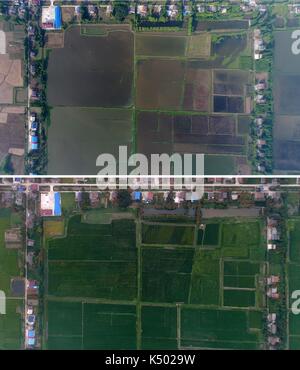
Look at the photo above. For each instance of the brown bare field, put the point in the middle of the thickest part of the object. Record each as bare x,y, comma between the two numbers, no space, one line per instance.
14,76
230,82
55,40
3,117
197,90
12,133
223,125
6,93
5,64
18,163
243,167
13,109
166,133
159,84
199,46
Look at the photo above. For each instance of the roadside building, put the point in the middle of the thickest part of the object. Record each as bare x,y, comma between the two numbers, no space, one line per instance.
51,17
50,204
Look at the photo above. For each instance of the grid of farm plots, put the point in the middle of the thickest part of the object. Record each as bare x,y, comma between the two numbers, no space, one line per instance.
172,92
121,281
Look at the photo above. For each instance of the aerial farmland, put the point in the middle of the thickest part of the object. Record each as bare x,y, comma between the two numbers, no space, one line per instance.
126,271
190,80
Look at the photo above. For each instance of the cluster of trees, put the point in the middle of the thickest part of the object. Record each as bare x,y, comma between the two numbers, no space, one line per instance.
121,10
8,167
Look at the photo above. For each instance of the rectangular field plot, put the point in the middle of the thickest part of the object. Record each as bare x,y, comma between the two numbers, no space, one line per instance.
101,262
79,325
205,282
294,278
294,342
114,324
77,136
104,81
294,250
172,84
215,135
287,113
240,274
228,104
159,83
230,82
159,328
220,164
199,46
231,25
166,274
242,240
11,337
239,298
294,324
208,328
9,256
230,89
158,44
209,236
293,285
167,234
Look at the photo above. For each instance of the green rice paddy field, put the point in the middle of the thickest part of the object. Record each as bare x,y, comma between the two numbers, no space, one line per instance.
10,323
109,290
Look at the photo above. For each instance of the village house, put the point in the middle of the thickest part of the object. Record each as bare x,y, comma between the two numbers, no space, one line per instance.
234,196
172,11
273,293
260,143
294,9
259,196
271,246
271,317
258,45
273,340
273,279
142,10
260,99
272,328
261,168
179,197
259,121
147,197
260,86
156,10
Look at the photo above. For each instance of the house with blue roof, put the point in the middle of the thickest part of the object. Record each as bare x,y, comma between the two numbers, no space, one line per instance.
137,196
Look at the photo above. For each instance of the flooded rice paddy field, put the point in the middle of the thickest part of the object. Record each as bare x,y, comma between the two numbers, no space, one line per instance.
213,135
197,76
77,136
91,70
222,25
286,104
160,45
